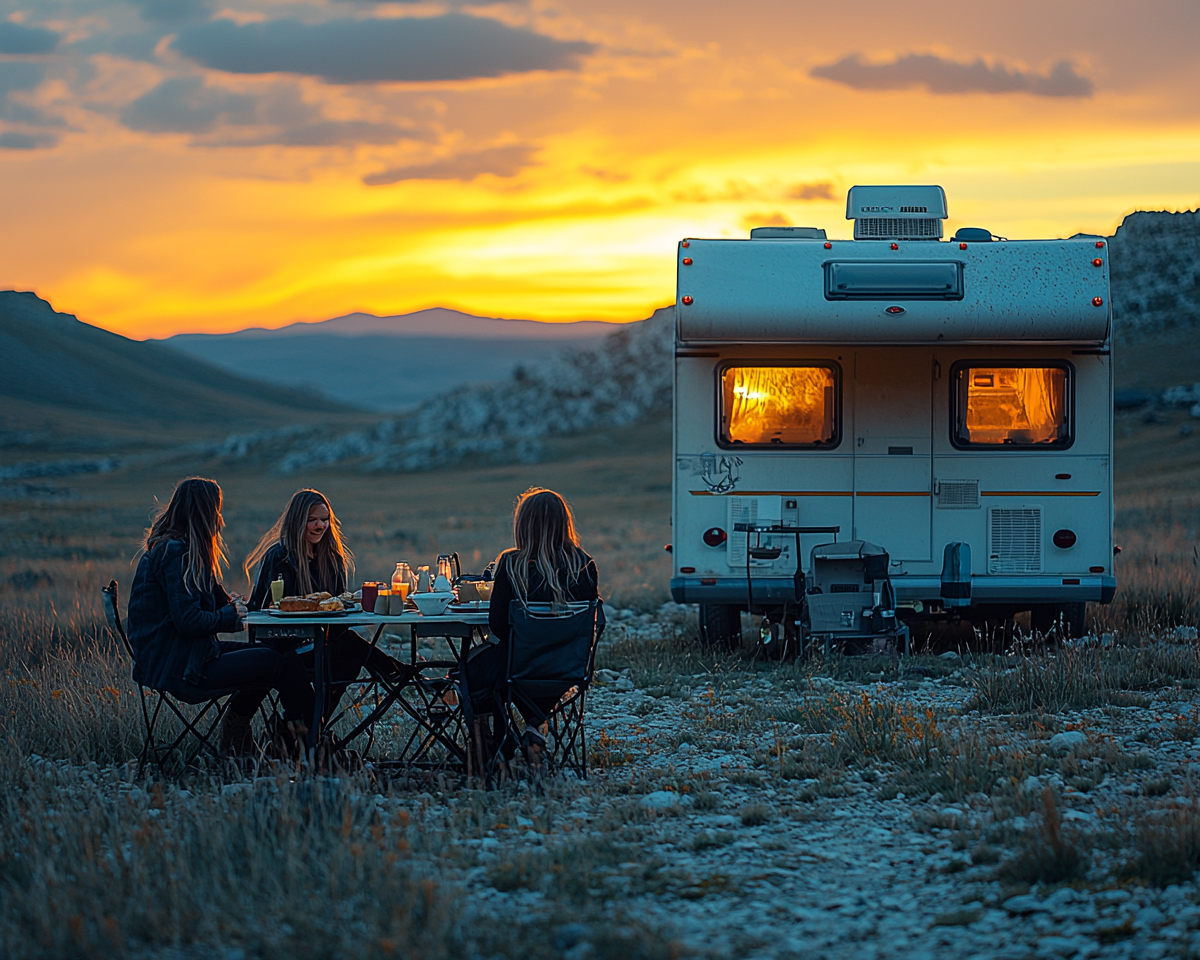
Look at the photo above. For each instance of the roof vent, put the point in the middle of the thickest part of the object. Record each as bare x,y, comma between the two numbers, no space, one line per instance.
787,233
896,212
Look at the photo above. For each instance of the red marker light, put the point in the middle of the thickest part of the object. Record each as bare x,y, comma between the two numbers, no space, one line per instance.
1064,539
1097,262
828,245
1095,569
685,244
687,301
687,569
962,246
895,246
1096,301
893,310
1099,244
687,261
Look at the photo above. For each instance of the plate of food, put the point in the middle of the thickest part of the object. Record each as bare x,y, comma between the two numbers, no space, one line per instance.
469,605
320,604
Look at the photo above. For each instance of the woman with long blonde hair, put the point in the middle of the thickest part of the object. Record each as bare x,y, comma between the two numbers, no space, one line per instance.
177,606
546,565
305,548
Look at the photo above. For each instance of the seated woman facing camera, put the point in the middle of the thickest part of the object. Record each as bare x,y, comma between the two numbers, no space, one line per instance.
177,607
306,550
547,565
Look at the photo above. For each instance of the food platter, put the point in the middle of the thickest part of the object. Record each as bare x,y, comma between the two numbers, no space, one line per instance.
469,605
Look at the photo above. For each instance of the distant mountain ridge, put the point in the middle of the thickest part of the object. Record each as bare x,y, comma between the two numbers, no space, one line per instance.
390,363
434,322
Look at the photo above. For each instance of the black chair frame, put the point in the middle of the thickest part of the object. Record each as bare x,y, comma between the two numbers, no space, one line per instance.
202,726
563,729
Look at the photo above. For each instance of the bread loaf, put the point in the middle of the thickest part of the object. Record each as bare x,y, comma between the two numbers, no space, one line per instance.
297,605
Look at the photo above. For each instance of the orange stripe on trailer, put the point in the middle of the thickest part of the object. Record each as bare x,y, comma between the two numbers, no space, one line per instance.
773,493
1039,493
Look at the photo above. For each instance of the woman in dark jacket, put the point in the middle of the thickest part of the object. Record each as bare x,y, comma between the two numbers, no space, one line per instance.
305,549
177,606
547,565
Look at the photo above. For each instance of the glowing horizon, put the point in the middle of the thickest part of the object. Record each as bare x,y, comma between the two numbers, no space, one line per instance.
259,165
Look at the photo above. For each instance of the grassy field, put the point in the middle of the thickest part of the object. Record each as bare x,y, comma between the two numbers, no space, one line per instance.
98,861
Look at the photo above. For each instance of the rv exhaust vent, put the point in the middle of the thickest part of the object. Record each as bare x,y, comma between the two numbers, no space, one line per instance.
896,228
1015,540
958,494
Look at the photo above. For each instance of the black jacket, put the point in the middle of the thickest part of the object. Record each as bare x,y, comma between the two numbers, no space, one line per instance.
585,588
173,629
275,564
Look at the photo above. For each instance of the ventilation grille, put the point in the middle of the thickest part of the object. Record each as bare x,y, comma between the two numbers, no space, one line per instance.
914,209
958,494
897,228
1015,540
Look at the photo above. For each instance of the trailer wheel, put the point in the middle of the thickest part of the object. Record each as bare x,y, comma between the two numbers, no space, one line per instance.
1047,617
720,626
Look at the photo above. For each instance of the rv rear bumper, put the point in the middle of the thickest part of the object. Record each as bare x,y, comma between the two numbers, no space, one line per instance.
1006,590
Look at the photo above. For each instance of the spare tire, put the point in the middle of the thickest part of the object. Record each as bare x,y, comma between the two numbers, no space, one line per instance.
720,626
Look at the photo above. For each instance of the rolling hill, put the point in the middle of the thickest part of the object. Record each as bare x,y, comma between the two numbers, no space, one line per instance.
66,376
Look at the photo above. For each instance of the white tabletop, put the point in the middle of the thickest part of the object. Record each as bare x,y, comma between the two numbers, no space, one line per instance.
260,618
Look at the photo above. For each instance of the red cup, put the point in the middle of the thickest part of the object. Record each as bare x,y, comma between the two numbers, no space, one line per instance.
370,592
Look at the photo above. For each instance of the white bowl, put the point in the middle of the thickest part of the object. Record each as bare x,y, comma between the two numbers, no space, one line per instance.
431,604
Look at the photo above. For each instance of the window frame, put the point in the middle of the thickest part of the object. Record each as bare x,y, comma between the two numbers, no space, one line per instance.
719,403
1066,366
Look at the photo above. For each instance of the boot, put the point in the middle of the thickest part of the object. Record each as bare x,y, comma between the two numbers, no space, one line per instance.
236,737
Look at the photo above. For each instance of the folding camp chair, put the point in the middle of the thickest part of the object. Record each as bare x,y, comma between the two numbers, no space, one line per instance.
551,657
200,725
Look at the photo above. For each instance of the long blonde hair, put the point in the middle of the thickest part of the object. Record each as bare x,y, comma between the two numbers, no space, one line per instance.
544,534
193,515
334,558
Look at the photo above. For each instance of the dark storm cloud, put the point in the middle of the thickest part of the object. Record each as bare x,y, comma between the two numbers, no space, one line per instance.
187,105
499,161
173,11
944,76
26,141
16,38
450,47
19,75
811,191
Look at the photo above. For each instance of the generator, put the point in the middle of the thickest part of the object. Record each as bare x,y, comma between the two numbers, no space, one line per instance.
850,602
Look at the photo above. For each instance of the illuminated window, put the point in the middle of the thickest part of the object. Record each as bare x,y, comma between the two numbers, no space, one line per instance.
1025,406
785,405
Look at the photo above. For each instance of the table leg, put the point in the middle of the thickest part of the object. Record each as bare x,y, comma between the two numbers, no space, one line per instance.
319,641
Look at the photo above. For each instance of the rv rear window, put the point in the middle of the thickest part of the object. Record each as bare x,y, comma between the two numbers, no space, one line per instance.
1011,406
903,280
778,405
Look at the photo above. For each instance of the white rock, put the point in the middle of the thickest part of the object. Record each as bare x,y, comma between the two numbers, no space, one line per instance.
623,685
1068,740
661,800
1024,904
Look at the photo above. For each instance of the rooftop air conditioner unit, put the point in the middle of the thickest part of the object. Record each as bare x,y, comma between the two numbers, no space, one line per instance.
896,213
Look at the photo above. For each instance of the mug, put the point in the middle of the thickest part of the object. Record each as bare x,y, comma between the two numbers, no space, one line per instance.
395,605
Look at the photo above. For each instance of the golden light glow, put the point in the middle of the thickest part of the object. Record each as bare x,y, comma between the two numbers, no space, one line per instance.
1013,405
778,405
693,119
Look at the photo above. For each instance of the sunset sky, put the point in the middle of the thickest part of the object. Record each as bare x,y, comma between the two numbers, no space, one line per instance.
184,165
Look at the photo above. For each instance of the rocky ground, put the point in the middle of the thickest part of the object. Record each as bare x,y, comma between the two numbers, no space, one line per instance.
867,809
1039,804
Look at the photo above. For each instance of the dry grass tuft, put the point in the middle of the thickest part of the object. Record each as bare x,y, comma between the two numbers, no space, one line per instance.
1047,854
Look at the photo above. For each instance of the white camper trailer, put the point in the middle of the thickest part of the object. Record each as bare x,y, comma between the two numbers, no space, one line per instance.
944,404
